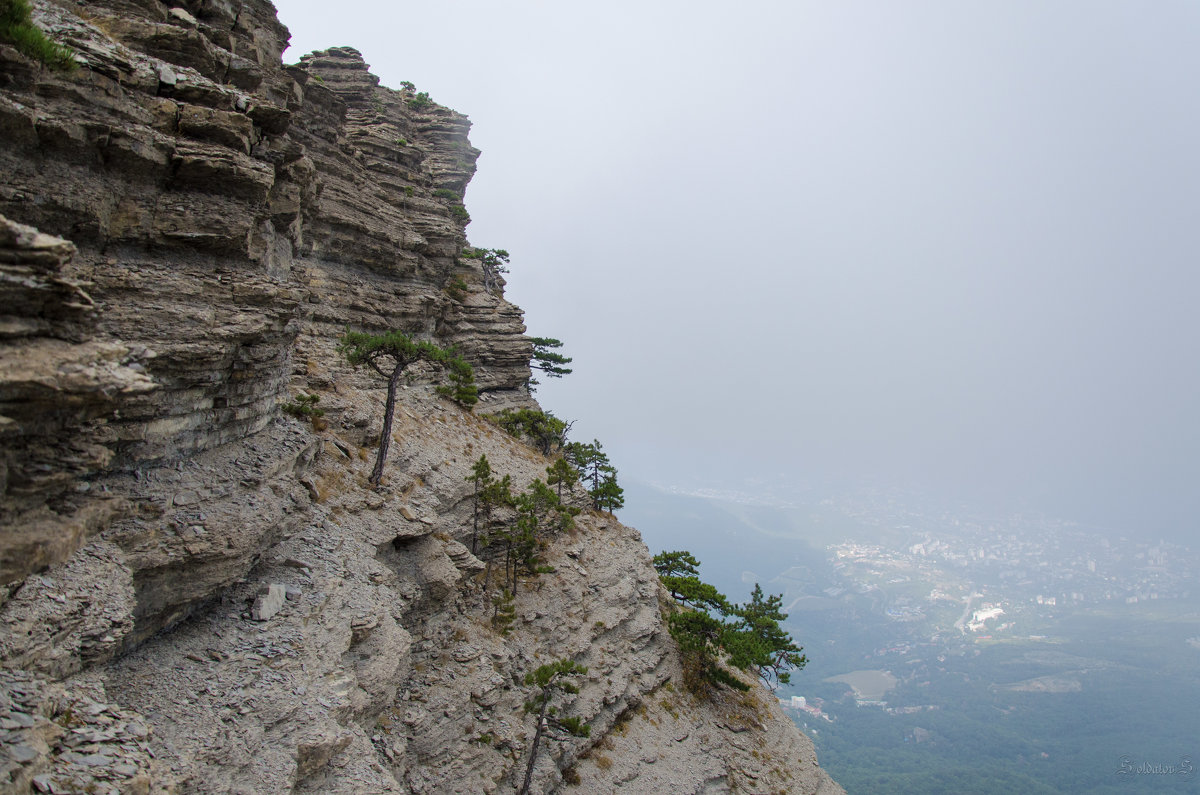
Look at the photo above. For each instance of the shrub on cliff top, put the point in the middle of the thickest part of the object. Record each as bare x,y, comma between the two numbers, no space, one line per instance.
17,29
420,102
540,428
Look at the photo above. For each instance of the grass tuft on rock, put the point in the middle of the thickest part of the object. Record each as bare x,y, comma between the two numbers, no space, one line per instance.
17,29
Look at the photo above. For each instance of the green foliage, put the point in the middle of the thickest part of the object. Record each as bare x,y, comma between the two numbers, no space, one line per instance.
481,474
546,676
407,85
561,474
457,288
575,726
540,428
547,510
461,389
408,191
17,29
709,628
402,142
608,496
389,355
489,494
679,574
551,680
539,511
370,349
494,262
420,102
493,494
504,610
757,642
594,467
460,213
518,544
401,351
446,193
481,477
699,637
305,406
676,564
547,360
547,433
496,258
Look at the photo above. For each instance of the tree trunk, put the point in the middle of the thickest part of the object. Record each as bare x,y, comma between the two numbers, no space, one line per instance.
537,738
475,519
385,439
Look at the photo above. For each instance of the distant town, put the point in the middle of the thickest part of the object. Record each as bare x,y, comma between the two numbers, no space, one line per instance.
998,572
949,583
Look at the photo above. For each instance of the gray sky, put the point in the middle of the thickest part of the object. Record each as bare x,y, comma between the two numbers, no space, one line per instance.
939,244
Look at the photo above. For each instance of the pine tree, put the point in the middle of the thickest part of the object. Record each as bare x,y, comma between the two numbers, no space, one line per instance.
679,573
481,477
541,428
594,467
390,355
539,511
707,626
757,641
496,494
550,680
609,496
560,474
550,362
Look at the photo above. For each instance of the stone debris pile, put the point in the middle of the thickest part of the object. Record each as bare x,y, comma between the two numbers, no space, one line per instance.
62,741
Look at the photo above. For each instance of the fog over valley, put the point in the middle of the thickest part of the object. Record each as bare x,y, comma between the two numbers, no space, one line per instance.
932,246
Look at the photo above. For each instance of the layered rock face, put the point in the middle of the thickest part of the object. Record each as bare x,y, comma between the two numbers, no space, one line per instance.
200,593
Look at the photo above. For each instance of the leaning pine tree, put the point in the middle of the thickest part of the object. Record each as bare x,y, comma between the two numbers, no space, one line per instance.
390,355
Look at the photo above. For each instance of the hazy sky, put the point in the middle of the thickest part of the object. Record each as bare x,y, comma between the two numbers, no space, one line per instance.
940,244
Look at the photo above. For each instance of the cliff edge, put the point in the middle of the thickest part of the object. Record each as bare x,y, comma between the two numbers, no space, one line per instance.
201,593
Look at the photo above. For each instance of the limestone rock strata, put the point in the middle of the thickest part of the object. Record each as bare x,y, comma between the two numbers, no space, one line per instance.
204,256
385,238
199,592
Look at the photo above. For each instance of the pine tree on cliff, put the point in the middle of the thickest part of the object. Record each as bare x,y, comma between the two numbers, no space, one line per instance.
561,474
594,467
550,679
710,630
549,361
390,355
481,477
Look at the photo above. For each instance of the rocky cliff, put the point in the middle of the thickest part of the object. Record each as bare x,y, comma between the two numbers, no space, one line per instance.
200,593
